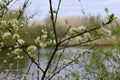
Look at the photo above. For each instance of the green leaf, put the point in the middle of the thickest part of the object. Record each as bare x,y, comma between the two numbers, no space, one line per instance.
76,61
87,68
112,17
106,10
35,56
77,79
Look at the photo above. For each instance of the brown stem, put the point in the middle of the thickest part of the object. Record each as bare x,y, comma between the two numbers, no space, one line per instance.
81,43
67,64
79,34
50,60
31,58
53,21
56,39
23,8
1,7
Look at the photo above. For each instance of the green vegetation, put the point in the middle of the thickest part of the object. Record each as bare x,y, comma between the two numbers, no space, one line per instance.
29,33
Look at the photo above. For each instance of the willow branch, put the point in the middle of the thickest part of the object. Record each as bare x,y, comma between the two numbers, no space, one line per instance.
79,34
57,11
54,29
31,58
29,67
60,56
5,5
65,33
80,43
23,9
53,21
67,64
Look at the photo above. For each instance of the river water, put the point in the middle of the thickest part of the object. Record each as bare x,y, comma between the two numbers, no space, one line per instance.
78,69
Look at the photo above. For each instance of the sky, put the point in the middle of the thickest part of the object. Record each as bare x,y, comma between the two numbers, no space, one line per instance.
71,7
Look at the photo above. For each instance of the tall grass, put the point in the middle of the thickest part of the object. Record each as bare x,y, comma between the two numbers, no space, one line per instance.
29,33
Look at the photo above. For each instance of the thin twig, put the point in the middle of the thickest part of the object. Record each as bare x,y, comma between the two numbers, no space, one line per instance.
53,21
31,58
67,64
58,8
29,67
79,34
60,56
54,29
13,4
23,8
5,5
65,33
90,40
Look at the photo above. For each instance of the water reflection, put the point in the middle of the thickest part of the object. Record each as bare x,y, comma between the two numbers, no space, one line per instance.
10,66
25,65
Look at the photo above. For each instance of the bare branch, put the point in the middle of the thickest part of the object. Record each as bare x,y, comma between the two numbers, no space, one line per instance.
54,29
23,9
67,64
80,43
5,5
53,21
79,34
